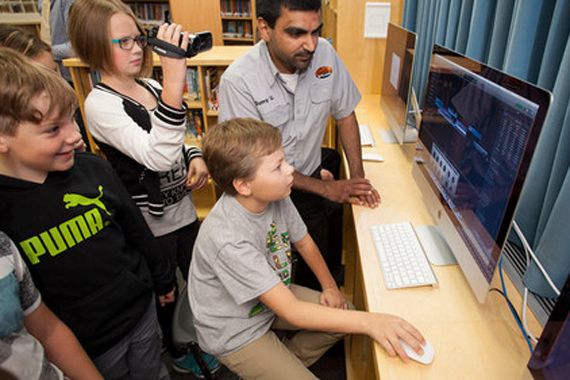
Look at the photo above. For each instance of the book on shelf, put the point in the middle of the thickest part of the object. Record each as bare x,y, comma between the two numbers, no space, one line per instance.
212,87
192,85
194,127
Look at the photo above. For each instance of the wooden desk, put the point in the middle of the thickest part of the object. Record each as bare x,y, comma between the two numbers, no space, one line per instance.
471,340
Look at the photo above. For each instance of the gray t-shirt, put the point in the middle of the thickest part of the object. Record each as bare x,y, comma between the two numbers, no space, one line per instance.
238,256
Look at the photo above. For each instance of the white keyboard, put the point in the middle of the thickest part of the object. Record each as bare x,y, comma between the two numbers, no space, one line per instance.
366,138
403,261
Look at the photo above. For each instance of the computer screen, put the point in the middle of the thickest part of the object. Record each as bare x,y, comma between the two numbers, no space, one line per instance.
478,132
396,80
551,357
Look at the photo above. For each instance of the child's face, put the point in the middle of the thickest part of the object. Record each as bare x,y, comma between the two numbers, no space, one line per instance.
37,149
273,179
126,62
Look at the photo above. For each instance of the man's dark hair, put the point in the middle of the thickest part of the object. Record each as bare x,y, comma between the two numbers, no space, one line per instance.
270,10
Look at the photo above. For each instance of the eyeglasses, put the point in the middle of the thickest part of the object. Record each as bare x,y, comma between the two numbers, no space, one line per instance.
127,43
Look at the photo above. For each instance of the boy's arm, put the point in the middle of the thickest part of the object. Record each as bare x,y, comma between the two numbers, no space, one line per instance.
331,295
385,329
61,346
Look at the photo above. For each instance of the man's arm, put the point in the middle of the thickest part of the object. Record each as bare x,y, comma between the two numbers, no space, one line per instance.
350,139
61,346
385,329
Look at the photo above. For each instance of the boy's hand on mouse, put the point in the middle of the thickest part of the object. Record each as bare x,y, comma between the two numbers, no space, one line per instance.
332,297
197,174
167,298
388,329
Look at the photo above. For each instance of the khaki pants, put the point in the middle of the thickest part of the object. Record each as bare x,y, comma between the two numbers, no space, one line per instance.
269,358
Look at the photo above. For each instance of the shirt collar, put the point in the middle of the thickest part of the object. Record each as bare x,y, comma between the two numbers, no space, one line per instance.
273,71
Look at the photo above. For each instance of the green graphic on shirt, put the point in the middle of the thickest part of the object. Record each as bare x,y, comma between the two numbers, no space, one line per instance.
256,310
69,233
279,252
74,200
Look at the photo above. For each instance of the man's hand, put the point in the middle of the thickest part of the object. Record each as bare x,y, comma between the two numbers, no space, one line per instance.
197,174
371,199
388,330
345,190
167,298
332,297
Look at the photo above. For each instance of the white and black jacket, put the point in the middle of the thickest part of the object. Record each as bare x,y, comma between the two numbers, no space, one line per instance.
146,148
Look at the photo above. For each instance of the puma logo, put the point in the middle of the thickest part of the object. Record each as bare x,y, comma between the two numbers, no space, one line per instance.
74,200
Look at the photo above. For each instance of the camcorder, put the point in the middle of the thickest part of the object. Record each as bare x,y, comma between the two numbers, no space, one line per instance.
197,43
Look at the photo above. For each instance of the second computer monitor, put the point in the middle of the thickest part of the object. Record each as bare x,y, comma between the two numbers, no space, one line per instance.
395,91
478,133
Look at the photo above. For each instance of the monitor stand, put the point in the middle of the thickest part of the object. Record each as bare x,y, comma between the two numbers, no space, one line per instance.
435,246
388,137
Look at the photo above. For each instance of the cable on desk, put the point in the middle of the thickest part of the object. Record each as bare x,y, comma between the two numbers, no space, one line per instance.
511,307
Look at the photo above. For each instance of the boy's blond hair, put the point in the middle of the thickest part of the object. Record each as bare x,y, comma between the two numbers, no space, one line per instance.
88,30
232,149
23,80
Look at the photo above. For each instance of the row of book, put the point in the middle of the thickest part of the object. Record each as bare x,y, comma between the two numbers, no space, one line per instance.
235,8
192,85
237,29
150,11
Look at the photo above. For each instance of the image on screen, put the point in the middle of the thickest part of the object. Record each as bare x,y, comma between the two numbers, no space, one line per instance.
475,135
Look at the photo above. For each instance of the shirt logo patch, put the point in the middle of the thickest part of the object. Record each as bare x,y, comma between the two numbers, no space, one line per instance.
323,72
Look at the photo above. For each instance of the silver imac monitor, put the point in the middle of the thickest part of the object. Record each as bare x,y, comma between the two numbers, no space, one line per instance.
396,81
478,132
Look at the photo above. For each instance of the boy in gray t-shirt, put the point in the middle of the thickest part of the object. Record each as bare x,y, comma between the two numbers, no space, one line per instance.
240,276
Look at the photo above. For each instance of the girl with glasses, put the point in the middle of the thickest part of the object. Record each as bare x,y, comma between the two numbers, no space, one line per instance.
140,126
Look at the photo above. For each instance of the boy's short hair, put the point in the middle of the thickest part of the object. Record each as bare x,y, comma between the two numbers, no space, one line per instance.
232,149
88,30
21,81
22,41
270,10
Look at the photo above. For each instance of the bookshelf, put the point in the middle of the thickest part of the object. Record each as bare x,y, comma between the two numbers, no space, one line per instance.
239,23
149,12
23,13
202,79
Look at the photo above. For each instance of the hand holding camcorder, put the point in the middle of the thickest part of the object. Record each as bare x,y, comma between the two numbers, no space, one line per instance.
197,43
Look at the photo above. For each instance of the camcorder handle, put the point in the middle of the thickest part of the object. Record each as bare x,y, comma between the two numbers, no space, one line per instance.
197,43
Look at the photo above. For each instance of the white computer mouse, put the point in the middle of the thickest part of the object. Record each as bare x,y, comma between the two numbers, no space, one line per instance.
427,356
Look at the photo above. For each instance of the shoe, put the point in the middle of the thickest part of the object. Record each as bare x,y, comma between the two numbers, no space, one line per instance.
188,364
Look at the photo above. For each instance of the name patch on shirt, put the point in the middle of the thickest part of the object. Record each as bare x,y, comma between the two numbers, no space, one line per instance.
323,72
263,101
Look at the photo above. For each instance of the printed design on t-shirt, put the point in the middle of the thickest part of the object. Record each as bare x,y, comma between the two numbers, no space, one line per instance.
60,238
257,309
74,200
173,183
279,253
323,72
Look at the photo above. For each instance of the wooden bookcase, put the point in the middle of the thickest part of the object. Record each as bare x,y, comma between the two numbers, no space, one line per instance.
23,13
200,100
239,23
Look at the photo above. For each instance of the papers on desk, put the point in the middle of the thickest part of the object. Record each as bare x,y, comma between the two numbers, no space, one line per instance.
366,138
372,156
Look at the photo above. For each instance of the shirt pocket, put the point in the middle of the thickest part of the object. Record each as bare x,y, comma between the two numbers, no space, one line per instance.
321,92
276,116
